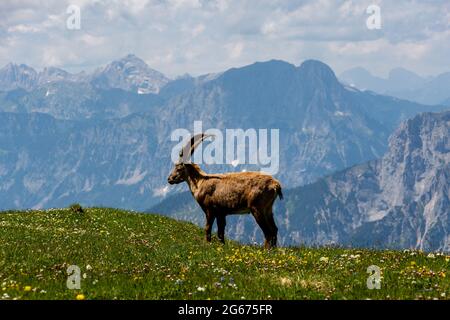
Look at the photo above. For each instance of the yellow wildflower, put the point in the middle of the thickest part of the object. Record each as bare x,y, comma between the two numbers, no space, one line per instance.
324,259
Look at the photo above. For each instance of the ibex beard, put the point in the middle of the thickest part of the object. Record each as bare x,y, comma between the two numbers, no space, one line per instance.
222,194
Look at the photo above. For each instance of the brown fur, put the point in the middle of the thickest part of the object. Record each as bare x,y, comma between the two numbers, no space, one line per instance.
222,194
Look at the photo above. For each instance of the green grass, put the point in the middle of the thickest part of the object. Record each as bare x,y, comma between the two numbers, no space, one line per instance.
125,255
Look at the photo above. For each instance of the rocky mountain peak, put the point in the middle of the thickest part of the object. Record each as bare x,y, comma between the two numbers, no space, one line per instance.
52,74
132,74
318,72
13,76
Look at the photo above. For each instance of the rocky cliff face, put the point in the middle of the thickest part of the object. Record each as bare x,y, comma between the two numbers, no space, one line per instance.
398,201
46,162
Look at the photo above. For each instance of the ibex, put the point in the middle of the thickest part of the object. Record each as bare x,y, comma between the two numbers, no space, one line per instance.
222,194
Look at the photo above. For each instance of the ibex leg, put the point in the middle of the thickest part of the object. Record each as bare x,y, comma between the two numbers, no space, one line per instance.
221,223
208,227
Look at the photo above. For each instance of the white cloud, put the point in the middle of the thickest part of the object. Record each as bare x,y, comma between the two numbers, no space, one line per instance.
23,28
184,3
269,28
235,49
91,40
199,36
198,29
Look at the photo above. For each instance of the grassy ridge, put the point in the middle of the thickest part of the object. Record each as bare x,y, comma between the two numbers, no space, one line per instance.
125,255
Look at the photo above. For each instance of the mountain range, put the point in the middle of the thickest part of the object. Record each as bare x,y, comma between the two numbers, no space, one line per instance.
103,139
119,89
403,84
129,73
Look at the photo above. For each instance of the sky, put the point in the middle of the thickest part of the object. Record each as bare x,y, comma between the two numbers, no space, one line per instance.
202,36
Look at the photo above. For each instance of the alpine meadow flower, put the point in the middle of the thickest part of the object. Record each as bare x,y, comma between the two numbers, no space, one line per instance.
324,259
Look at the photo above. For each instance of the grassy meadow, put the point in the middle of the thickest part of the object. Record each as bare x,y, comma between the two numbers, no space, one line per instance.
128,255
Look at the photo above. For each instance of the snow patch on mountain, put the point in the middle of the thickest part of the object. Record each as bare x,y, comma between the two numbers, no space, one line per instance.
135,177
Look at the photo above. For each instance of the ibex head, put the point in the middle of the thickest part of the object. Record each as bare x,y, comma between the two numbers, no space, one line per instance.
179,172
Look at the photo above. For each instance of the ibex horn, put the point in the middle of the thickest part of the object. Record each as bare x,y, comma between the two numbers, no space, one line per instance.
189,148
